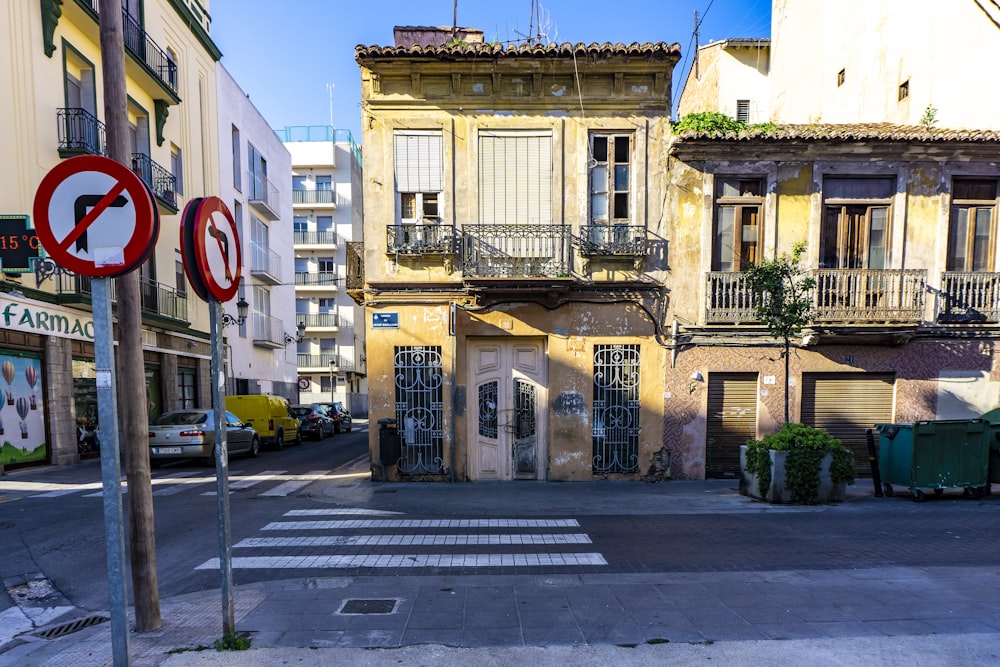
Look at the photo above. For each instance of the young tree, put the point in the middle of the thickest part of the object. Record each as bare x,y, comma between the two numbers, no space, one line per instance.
782,299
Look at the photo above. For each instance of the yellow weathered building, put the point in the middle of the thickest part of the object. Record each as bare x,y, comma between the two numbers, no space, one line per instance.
515,244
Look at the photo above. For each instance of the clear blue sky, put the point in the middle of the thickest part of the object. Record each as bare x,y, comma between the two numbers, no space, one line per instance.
283,53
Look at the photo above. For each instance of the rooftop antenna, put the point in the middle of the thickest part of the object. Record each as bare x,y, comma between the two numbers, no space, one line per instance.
454,20
329,90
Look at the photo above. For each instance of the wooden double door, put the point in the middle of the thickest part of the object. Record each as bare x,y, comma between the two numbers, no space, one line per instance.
506,422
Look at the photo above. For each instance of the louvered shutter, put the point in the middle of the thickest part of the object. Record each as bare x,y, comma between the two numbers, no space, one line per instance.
515,177
419,161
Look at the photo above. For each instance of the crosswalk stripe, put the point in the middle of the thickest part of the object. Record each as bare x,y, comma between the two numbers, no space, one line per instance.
421,523
408,560
350,511
295,483
411,540
251,480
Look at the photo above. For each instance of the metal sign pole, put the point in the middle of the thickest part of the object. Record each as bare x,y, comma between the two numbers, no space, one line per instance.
221,467
107,418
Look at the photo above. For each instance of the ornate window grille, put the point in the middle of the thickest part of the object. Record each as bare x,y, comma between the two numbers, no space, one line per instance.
616,409
419,379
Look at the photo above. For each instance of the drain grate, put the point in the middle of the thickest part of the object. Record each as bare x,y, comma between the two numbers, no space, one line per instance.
368,607
69,628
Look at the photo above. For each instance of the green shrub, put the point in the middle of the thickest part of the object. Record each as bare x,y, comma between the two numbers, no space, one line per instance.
806,446
714,121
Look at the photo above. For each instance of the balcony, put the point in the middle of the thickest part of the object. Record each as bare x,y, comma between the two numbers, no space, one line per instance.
870,295
155,299
328,321
321,362
264,196
522,252
324,280
316,198
969,296
407,239
268,331
80,133
160,181
728,298
265,264
626,241
151,62
324,239
863,296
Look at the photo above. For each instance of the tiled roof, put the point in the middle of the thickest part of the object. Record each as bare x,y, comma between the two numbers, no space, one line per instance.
564,50
844,132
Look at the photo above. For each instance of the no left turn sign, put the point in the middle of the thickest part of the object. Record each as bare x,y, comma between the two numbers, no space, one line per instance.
210,245
95,217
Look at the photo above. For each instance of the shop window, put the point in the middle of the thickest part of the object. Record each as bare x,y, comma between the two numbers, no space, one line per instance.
187,390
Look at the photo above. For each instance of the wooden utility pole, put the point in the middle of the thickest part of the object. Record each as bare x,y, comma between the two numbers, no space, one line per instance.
131,371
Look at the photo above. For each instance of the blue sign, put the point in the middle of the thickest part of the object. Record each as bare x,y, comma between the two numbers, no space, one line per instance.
385,320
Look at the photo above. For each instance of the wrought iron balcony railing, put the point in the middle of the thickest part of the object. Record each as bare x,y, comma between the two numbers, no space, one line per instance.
322,361
148,52
420,239
841,295
321,320
327,237
355,265
265,264
80,133
160,181
728,298
264,195
318,279
969,296
154,298
613,241
870,295
516,251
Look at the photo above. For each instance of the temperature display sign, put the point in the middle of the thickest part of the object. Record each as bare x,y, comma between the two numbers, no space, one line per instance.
18,244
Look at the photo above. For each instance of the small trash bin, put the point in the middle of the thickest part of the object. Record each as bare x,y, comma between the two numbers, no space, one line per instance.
388,442
940,454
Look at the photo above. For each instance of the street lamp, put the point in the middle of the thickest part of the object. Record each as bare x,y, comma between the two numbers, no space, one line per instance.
301,329
333,382
241,311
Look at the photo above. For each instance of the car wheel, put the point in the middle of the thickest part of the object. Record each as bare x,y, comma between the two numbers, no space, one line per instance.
298,438
336,427
254,448
279,441
348,429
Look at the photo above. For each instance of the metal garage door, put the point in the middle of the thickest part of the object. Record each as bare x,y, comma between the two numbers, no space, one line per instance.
732,420
845,405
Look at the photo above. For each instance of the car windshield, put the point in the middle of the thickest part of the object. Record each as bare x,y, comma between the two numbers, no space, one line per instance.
181,419
301,412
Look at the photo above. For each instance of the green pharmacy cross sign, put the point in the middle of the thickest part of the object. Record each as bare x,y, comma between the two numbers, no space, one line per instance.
19,246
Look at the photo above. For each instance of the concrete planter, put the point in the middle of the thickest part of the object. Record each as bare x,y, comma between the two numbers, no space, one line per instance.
777,492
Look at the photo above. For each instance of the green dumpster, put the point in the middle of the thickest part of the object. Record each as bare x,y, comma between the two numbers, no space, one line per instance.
993,417
937,455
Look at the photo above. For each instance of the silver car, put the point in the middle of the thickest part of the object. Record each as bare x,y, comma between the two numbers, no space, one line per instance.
184,434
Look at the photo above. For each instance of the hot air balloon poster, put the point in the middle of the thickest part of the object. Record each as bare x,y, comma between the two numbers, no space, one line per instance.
22,410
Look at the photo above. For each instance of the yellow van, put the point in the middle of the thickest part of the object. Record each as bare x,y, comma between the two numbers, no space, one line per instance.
270,416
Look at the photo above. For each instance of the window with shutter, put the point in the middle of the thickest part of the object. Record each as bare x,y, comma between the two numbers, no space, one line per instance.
515,177
419,171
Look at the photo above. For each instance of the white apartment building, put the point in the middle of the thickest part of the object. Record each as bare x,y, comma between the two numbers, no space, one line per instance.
255,181
326,202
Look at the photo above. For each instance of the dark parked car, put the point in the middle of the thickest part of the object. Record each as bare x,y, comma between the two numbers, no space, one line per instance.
313,421
341,417
181,434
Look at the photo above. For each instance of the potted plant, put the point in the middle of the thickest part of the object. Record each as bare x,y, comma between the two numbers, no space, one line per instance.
798,464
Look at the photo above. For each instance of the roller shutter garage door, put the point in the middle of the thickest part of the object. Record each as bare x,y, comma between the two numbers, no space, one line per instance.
845,405
732,420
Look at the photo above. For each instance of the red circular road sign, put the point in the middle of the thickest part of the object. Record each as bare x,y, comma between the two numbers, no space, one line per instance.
95,217
211,245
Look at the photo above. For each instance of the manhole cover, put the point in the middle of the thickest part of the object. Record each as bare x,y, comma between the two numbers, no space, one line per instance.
69,628
368,607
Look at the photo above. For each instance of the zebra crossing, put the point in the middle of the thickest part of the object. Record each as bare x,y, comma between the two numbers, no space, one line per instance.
269,483
343,538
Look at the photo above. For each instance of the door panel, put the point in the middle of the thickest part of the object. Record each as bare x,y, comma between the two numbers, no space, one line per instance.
508,382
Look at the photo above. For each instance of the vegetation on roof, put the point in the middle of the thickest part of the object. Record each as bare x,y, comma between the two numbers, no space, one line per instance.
714,121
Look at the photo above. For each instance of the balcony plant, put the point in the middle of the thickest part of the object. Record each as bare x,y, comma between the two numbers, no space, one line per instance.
799,464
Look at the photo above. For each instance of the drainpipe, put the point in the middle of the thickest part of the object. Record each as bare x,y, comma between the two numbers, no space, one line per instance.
674,332
454,389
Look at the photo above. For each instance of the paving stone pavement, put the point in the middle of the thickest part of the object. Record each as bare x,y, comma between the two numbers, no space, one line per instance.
838,613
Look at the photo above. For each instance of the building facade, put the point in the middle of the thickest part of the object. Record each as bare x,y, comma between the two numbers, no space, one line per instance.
731,77
513,258
255,182
326,198
52,84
